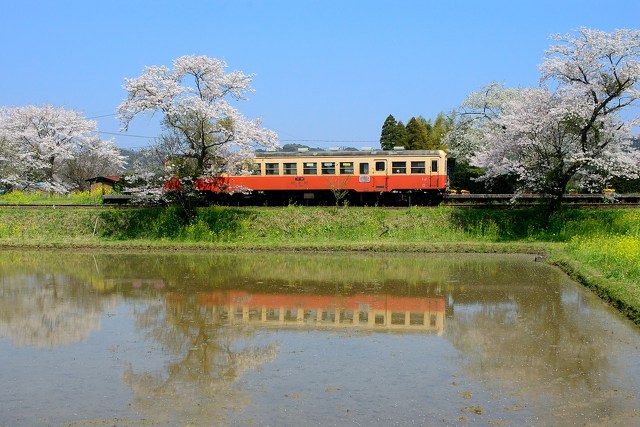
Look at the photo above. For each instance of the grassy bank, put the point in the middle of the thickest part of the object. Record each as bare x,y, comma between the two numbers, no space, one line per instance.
44,198
601,248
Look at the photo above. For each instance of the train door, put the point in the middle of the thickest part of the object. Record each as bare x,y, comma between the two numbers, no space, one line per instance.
365,181
380,174
434,178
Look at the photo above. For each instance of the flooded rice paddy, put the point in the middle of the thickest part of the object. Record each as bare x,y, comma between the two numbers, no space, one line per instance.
102,339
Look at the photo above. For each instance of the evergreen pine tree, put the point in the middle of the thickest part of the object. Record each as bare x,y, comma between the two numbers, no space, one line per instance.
439,129
387,137
417,135
429,128
400,136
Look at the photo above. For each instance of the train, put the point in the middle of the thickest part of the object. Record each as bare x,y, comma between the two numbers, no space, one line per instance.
366,177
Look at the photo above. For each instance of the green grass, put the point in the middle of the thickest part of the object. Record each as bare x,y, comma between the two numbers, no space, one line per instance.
325,225
43,198
296,224
610,265
617,255
601,248
46,225
321,224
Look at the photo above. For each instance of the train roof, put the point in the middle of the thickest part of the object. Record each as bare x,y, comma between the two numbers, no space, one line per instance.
340,153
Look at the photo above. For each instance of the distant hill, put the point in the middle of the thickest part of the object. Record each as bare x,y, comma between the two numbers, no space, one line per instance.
135,157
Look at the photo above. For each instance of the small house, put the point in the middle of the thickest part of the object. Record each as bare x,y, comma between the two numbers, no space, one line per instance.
104,184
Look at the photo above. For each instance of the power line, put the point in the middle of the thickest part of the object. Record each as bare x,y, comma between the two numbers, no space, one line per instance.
126,135
103,115
342,141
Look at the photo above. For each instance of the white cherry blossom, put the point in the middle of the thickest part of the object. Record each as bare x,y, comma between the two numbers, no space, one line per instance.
40,142
210,134
569,131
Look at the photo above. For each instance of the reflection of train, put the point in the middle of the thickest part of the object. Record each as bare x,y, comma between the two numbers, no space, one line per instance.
360,177
377,312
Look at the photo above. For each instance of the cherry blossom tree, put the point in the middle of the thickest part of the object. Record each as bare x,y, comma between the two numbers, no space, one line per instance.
208,135
38,142
8,158
538,138
476,118
571,129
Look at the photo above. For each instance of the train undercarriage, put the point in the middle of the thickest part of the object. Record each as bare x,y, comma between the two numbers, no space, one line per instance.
328,198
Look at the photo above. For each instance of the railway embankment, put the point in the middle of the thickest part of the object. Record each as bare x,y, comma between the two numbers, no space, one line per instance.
600,248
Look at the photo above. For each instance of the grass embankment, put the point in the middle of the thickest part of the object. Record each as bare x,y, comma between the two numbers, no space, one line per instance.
44,198
601,248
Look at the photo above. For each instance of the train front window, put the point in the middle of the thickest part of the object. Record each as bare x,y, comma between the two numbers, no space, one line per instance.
434,166
364,168
346,168
310,168
398,167
328,168
272,169
289,168
418,167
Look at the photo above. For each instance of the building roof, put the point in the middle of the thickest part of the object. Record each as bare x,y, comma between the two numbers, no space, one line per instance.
112,179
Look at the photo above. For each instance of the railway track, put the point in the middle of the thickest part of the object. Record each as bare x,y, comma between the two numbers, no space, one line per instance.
486,201
529,205
496,206
503,201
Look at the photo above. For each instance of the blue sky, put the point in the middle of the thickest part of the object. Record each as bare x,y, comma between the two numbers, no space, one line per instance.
327,72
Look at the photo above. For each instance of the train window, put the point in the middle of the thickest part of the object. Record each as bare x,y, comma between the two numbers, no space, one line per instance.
271,169
310,168
398,167
346,168
289,169
380,166
364,168
418,167
434,166
328,168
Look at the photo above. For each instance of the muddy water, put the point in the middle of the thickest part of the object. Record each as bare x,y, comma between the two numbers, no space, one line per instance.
153,340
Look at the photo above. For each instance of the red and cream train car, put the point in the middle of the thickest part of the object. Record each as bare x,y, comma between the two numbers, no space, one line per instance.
373,176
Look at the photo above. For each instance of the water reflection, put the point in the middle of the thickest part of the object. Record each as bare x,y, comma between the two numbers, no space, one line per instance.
48,310
205,361
49,299
375,312
516,331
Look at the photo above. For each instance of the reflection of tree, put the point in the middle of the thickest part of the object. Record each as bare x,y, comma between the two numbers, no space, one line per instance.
522,338
201,382
270,267
47,310
509,320
204,270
